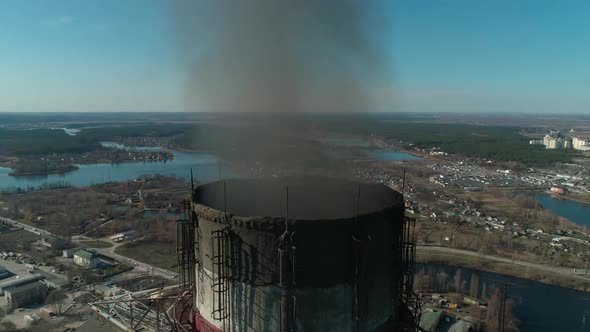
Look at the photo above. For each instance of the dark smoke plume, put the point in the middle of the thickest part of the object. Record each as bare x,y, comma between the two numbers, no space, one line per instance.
284,55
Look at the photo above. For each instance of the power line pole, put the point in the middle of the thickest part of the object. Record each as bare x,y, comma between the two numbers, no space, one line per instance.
502,293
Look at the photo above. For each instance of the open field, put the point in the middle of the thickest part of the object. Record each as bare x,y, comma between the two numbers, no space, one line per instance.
17,240
159,254
74,211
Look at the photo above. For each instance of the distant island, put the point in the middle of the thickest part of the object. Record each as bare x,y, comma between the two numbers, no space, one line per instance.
62,169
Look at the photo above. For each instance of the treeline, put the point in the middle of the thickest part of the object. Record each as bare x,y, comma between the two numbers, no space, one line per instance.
44,186
264,140
144,130
437,280
25,167
260,137
499,143
47,141
42,142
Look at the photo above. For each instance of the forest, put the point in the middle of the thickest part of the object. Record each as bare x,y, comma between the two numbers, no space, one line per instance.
282,138
22,142
500,143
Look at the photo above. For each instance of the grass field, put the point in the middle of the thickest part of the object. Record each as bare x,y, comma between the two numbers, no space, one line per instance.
13,241
159,254
97,244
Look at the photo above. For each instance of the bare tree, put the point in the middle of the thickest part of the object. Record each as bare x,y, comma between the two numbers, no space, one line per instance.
457,281
419,280
56,299
474,285
493,312
442,280
512,321
494,306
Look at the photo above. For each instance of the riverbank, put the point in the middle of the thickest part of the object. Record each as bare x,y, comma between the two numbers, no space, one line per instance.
569,197
558,276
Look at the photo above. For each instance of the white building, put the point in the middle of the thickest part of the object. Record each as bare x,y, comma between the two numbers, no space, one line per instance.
85,258
553,143
122,236
580,144
69,253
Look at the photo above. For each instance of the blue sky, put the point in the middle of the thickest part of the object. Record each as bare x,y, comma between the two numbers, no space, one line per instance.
454,55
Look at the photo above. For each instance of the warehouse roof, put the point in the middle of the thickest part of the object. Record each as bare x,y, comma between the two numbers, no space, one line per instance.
429,320
53,281
19,282
26,288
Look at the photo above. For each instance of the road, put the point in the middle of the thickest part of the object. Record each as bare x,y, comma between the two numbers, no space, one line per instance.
108,252
26,227
566,271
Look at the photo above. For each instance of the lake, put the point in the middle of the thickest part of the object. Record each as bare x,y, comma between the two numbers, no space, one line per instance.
365,146
205,167
539,307
69,131
575,211
391,155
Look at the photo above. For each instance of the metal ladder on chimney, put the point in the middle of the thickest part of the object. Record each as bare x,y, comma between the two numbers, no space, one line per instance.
220,242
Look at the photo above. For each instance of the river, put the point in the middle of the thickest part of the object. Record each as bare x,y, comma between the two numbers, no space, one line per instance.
539,307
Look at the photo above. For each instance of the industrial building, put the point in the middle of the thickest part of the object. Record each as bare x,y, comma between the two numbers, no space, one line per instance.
69,253
53,281
85,259
3,272
52,242
430,320
30,293
295,254
18,282
123,235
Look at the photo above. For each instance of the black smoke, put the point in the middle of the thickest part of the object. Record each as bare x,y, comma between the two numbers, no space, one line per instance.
284,55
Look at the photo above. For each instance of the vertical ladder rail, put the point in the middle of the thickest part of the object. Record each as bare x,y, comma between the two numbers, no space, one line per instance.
221,246
286,251
220,285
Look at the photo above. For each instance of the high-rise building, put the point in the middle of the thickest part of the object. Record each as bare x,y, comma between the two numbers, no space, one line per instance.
554,143
580,143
